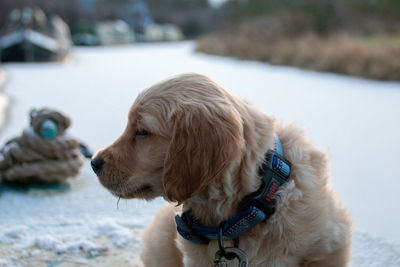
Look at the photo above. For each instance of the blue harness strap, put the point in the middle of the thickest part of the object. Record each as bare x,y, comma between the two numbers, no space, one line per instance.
253,209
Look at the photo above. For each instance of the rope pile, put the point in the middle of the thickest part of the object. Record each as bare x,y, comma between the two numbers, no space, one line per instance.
43,153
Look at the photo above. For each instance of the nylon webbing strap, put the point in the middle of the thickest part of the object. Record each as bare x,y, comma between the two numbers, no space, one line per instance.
253,209
232,229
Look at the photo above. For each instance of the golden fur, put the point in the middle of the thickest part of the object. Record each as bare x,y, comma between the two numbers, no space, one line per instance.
203,151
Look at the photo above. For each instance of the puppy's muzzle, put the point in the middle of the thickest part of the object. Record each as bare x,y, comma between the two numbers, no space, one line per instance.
97,164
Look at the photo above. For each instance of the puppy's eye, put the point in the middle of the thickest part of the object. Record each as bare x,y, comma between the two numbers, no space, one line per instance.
141,134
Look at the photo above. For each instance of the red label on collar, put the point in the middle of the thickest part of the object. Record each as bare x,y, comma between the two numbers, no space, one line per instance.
272,191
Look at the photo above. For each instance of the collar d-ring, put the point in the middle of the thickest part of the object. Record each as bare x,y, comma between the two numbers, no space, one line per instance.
228,256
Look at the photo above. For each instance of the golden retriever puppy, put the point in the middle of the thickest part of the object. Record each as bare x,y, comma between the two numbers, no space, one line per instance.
192,143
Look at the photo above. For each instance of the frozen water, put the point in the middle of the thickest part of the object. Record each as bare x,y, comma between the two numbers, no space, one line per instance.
357,120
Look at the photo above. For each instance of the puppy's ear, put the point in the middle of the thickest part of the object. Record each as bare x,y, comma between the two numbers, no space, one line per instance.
204,142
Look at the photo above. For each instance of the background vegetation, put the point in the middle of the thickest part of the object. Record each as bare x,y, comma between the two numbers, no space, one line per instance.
194,17
355,37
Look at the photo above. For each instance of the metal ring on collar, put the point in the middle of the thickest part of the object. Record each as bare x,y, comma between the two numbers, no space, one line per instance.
228,256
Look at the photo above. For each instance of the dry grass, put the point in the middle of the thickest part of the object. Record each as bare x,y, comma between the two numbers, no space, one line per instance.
370,57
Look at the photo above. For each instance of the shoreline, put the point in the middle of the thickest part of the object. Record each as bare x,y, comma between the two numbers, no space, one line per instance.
352,56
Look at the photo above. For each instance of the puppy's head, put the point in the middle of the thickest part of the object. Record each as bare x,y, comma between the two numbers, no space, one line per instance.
181,135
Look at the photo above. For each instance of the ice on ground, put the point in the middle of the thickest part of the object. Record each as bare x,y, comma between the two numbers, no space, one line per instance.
46,242
119,235
35,252
62,241
90,248
12,233
4,263
70,218
374,252
368,251
9,263
68,243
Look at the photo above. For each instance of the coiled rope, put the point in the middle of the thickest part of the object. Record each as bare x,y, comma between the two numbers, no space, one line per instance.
35,157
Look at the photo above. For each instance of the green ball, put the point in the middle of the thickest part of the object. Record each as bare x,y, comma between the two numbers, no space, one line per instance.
48,129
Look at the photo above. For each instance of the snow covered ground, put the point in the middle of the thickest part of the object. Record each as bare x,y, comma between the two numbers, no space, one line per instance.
79,223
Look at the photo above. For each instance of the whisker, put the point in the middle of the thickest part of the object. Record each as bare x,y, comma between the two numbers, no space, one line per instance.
119,198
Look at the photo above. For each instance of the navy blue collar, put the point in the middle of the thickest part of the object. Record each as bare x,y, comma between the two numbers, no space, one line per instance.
253,209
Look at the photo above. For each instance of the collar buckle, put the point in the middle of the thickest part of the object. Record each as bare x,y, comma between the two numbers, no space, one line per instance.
275,172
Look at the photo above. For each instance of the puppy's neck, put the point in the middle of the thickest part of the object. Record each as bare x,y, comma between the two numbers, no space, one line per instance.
220,200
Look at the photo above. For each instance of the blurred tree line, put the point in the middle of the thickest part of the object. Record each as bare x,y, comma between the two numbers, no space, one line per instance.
322,16
194,17
354,37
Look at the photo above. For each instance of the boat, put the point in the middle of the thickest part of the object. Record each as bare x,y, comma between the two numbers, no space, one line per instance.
31,35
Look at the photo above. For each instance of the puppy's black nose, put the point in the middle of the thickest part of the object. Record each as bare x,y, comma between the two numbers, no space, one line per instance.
97,164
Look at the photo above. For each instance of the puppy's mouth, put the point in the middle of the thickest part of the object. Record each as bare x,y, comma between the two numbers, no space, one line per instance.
137,192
